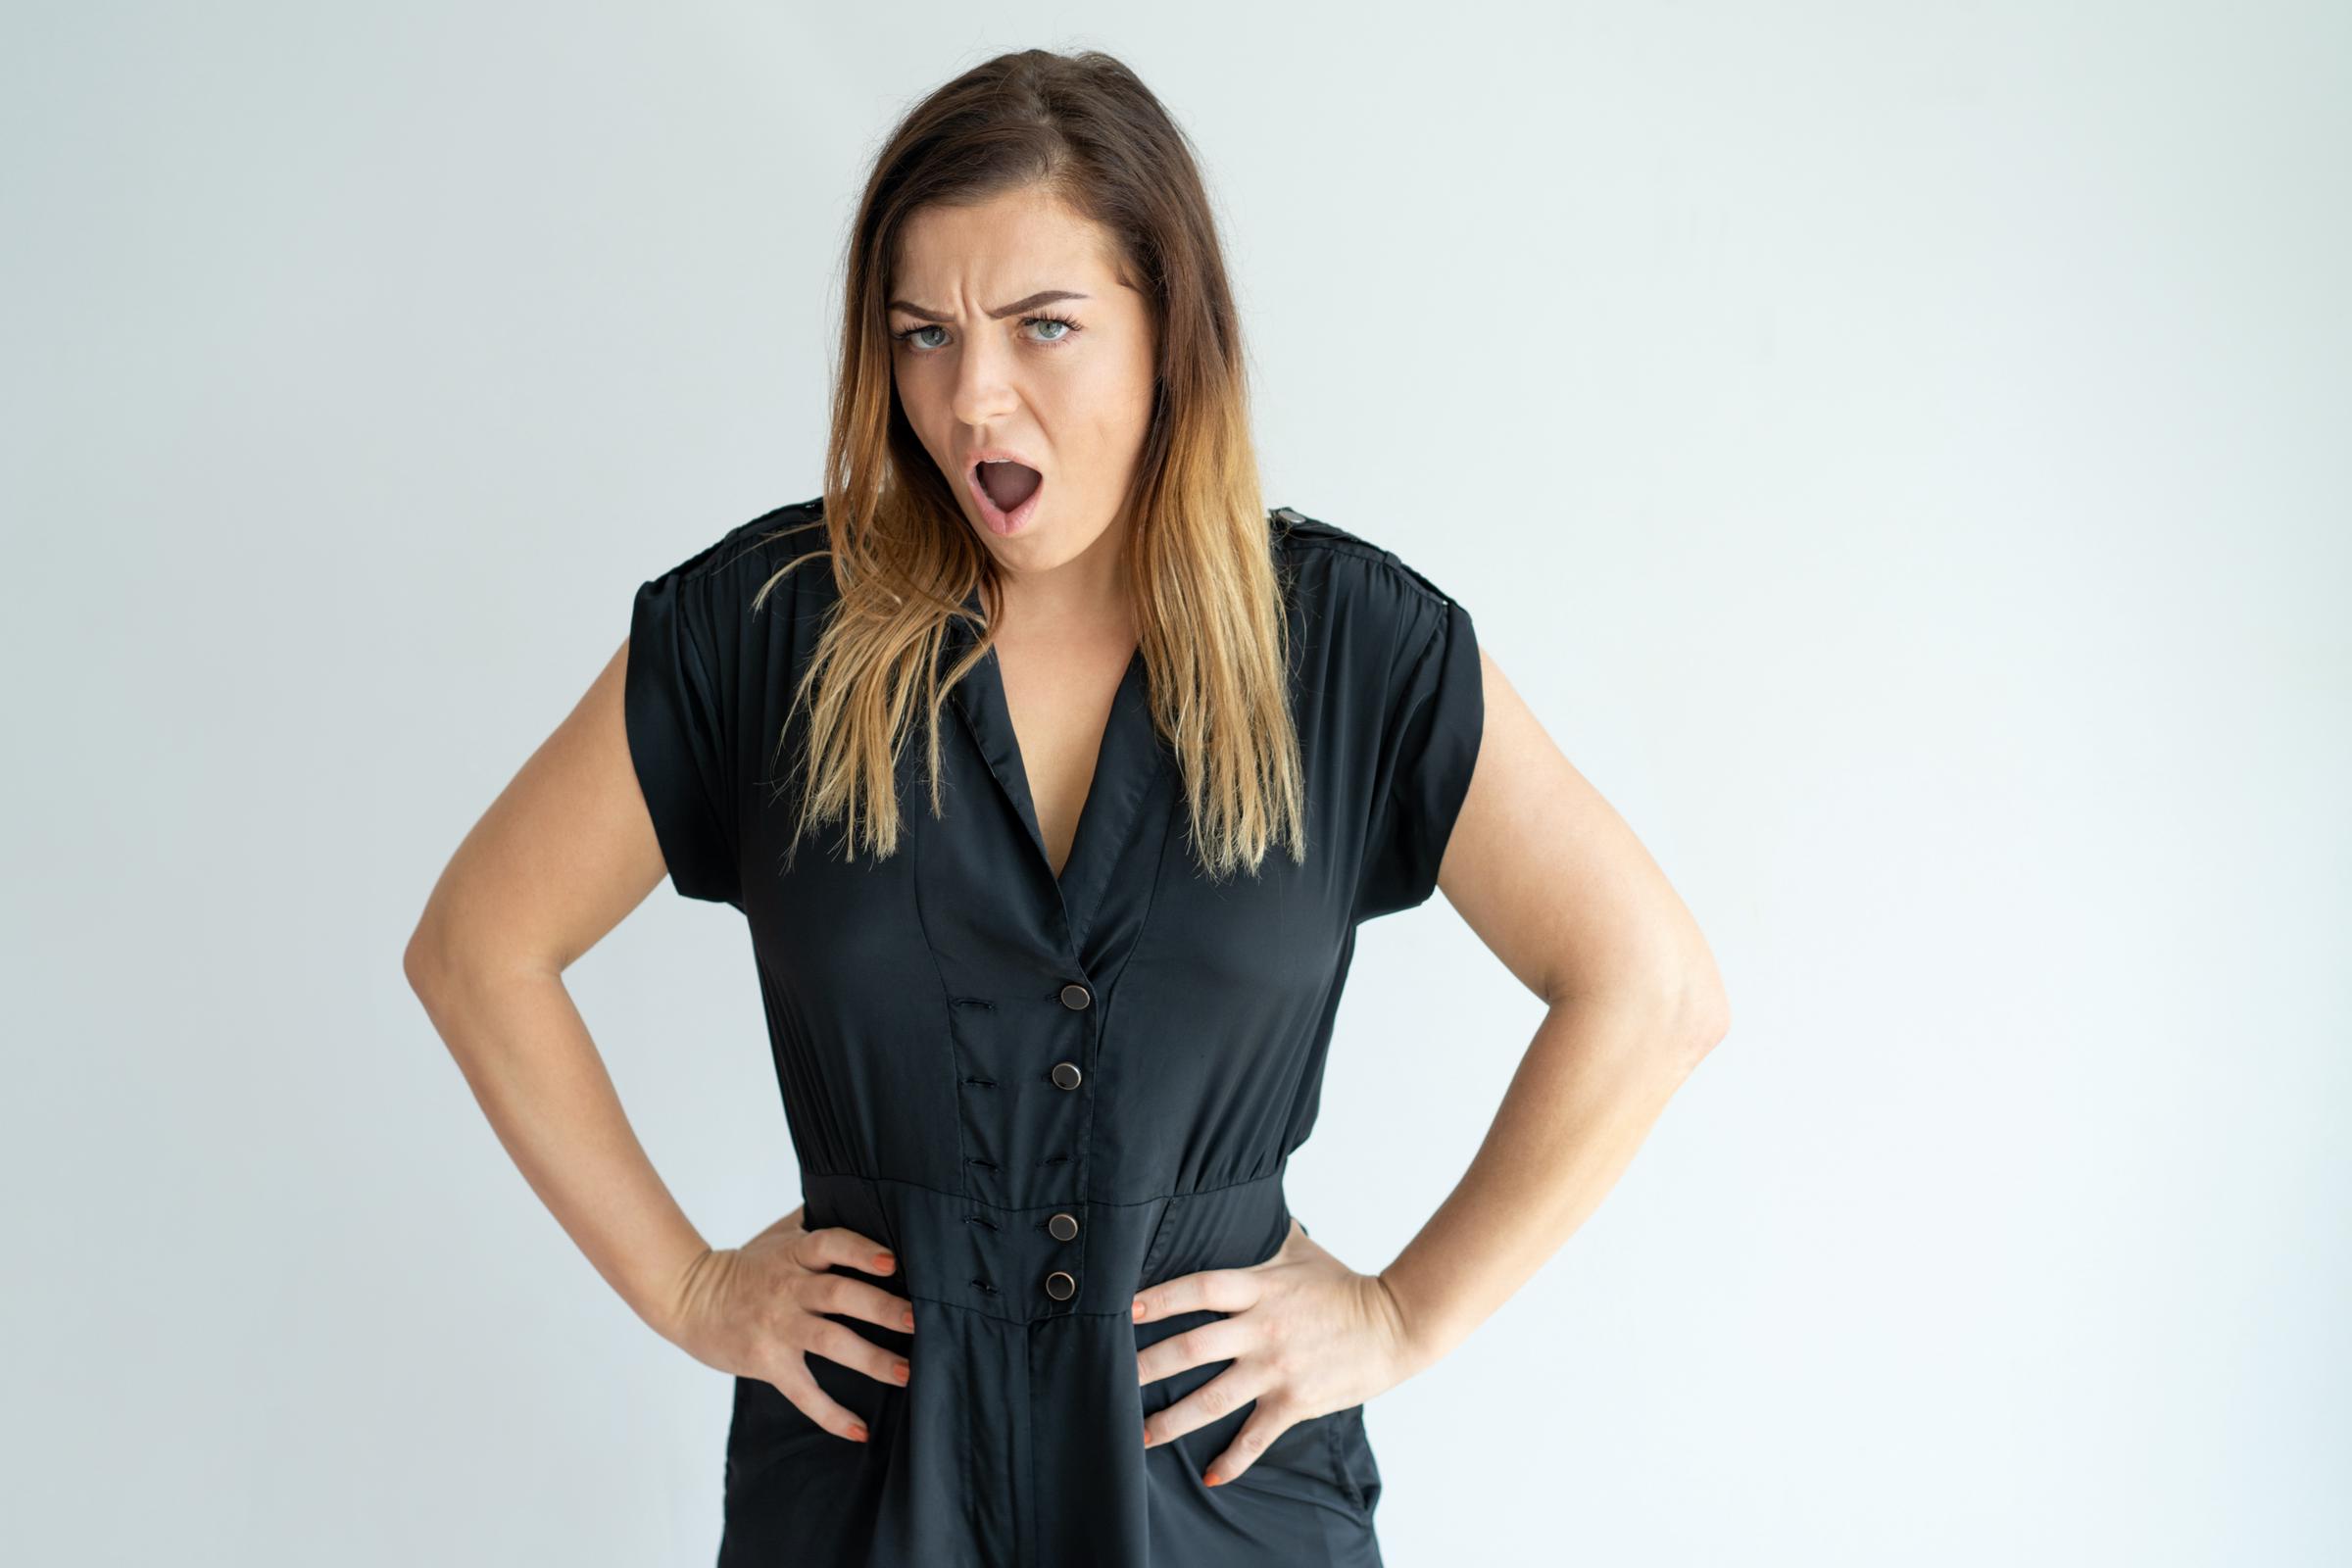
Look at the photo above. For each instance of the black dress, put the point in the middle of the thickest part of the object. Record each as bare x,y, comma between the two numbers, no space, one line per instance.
1044,1094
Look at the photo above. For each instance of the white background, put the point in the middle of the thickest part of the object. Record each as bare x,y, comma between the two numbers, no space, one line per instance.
1898,451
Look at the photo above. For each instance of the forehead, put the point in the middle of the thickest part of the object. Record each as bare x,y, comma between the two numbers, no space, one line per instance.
1010,244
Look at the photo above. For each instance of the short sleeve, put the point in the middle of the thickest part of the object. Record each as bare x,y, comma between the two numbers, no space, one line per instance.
1429,738
694,699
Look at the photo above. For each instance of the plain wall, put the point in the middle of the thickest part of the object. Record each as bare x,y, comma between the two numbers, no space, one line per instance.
1899,452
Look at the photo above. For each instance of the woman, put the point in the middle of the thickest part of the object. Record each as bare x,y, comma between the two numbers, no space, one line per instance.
1049,991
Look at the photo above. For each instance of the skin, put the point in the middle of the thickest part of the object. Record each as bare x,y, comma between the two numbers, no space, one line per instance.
1075,396
1539,865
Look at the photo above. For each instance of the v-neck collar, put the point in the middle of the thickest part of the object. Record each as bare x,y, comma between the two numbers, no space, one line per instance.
1127,763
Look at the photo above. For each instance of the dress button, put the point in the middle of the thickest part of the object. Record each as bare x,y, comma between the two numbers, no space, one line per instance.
1075,996
1062,1226
1065,1075
1061,1286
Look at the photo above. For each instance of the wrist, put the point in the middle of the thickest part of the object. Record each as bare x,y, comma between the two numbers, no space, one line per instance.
667,1302
1417,1346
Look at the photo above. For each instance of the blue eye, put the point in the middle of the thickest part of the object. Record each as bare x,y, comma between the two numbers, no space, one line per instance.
1069,331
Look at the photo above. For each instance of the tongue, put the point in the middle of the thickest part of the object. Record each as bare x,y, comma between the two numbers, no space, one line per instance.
1008,484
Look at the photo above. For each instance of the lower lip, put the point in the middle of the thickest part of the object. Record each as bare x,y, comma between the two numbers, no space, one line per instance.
998,520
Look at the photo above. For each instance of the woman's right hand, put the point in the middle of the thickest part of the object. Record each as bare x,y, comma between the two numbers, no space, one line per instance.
757,1310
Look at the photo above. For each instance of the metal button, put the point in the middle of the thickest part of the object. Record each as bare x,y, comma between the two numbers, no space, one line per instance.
1062,1226
1066,1075
1075,996
1061,1286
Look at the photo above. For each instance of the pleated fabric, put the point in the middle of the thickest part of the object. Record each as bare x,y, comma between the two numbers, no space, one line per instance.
978,1058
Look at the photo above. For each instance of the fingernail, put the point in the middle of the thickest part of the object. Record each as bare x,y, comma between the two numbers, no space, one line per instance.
884,1262
909,1320
858,1433
901,1371
1214,1478
1136,1309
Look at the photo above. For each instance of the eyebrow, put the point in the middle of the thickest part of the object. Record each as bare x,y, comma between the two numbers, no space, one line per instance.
1042,297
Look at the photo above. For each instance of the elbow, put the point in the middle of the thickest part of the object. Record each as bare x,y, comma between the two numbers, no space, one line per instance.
416,968
424,961
1699,1015
1676,1009
443,984
1672,1015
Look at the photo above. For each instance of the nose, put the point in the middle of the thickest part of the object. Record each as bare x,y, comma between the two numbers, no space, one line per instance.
983,392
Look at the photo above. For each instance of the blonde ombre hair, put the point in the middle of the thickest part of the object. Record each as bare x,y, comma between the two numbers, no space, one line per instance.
1207,603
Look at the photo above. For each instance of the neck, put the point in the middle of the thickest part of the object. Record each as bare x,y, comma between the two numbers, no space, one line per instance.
1084,599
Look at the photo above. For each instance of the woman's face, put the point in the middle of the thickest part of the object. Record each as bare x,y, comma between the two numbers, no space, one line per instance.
1013,336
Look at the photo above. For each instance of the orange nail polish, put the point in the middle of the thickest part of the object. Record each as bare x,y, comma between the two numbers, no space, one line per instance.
858,1433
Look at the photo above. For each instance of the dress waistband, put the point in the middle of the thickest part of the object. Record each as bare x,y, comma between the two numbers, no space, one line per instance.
1015,1264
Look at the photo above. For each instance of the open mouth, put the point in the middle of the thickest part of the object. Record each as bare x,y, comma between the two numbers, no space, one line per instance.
1006,492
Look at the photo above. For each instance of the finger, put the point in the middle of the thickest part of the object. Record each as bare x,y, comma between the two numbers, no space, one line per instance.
1260,1430
1213,1401
838,1243
1223,1340
797,1384
838,1293
838,1341
1216,1290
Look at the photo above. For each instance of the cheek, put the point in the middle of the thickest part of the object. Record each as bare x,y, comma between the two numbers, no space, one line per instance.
1115,404
1132,394
1123,415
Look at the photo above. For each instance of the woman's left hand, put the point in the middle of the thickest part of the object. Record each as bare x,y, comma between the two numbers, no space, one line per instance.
1307,1336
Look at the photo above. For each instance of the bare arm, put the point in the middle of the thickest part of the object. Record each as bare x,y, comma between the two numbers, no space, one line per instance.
562,856
1556,885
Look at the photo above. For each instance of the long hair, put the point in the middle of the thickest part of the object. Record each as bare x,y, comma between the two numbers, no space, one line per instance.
1207,604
